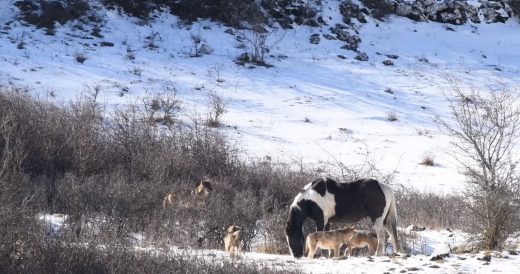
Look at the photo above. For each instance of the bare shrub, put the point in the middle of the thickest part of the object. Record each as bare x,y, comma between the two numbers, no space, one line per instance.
428,160
80,57
217,108
430,209
485,134
163,108
109,172
391,116
260,40
196,39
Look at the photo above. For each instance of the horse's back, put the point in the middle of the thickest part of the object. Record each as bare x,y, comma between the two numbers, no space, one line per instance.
358,199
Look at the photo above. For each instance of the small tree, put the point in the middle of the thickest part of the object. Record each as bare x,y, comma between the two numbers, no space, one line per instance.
485,133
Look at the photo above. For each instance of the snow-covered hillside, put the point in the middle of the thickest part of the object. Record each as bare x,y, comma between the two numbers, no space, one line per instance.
310,107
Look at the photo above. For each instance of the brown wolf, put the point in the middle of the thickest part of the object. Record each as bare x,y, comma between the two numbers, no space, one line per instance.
232,240
200,194
361,239
332,240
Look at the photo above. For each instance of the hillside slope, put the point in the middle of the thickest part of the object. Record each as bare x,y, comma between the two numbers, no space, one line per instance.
312,107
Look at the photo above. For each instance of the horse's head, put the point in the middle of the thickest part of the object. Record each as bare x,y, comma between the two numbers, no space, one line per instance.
293,232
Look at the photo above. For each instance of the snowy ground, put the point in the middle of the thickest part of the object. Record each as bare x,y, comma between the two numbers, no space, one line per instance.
463,263
424,244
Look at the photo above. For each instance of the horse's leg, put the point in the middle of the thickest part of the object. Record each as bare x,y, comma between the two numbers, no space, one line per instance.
380,231
392,231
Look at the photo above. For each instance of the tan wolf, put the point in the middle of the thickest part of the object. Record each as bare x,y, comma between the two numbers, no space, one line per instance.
331,240
232,240
361,239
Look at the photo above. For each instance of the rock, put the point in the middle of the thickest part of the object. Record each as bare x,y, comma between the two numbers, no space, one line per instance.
321,20
439,257
485,258
244,57
349,47
342,35
342,56
106,44
337,28
315,39
285,23
311,22
329,36
388,62
230,31
361,56
361,18
349,10
411,228
403,9
392,56
513,253
205,49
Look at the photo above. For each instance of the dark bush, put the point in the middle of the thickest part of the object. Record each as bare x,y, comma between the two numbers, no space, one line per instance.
380,8
515,5
231,12
47,13
137,8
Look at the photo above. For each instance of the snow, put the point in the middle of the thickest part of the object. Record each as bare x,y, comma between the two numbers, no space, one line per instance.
425,245
53,222
501,262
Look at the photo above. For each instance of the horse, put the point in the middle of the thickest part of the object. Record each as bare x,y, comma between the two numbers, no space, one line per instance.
331,240
361,239
325,200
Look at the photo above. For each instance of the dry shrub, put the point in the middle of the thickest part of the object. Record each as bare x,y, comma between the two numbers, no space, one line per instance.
430,209
428,160
110,171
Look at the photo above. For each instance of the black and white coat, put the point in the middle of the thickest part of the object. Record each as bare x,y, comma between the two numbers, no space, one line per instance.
325,200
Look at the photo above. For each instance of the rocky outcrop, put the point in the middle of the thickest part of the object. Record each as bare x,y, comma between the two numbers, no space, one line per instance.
351,10
288,13
342,33
455,12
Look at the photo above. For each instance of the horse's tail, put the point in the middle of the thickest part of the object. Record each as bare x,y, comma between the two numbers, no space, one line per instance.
391,222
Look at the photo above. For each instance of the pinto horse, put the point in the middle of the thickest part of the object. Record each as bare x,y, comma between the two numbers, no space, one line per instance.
325,200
